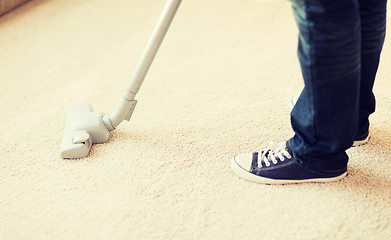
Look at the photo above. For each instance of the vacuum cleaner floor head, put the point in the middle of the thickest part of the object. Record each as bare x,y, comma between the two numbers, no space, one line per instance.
83,128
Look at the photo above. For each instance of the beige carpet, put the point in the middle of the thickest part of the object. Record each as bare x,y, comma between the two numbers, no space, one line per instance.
219,86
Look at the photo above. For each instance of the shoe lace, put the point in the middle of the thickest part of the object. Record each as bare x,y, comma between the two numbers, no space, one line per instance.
276,151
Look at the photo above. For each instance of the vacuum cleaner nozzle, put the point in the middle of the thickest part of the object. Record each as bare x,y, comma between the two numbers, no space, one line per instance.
83,128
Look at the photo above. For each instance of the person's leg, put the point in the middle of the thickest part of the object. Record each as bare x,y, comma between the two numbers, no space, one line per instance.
373,28
325,117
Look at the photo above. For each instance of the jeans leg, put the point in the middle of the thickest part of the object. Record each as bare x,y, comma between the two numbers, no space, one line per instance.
325,117
373,28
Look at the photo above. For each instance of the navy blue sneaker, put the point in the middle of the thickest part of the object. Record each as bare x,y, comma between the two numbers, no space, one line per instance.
276,166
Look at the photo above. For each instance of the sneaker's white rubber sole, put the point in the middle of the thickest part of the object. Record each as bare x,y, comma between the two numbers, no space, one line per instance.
242,173
360,143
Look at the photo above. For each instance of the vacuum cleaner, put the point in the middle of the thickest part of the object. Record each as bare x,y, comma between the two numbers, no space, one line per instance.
85,127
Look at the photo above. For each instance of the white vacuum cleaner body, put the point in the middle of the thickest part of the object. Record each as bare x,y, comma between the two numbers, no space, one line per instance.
84,127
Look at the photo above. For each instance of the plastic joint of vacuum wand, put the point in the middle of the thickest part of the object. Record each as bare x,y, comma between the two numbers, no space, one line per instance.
84,127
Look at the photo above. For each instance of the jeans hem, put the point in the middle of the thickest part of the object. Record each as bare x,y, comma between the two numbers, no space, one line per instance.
302,164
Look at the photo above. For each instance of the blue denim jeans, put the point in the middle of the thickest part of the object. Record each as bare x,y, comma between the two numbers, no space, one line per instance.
340,42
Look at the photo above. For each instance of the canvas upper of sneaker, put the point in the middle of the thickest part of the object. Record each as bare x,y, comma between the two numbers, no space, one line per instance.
276,166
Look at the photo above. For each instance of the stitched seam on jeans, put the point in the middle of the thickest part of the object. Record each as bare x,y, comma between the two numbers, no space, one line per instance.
311,76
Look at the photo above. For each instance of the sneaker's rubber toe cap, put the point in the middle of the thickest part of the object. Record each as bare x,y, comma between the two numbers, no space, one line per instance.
244,160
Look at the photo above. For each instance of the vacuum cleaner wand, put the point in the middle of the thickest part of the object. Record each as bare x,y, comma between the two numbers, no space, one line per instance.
85,127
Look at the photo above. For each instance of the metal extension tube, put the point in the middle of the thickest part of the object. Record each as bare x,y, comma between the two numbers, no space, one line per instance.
127,103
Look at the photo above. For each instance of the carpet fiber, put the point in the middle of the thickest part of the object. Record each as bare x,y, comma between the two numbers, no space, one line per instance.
220,85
